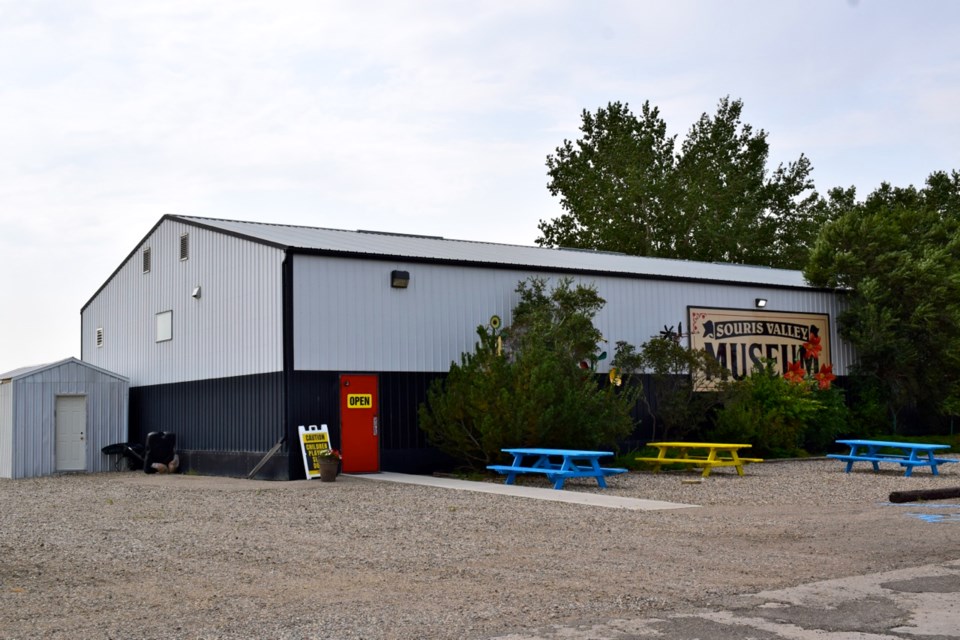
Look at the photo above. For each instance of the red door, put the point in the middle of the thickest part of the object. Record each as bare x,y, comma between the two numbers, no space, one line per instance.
359,428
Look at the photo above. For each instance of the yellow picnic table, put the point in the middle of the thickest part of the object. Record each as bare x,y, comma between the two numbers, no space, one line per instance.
708,455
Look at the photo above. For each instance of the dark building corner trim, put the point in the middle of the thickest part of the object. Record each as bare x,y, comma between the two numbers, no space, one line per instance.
288,355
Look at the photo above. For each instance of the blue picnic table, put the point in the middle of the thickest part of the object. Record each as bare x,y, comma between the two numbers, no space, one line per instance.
557,465
910,454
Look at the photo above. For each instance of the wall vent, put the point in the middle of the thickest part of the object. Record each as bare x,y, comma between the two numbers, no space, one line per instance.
100,337
146,260
184,246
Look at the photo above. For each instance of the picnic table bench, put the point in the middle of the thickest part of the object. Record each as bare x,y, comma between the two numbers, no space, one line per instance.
557,465
908,454
711,454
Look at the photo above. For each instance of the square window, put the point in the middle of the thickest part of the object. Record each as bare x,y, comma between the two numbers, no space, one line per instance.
164,326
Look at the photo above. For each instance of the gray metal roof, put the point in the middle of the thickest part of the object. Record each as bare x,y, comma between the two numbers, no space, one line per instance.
402,246
30,370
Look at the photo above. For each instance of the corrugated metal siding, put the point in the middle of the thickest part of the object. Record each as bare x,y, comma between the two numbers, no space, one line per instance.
243,413
234,328
6,429
347,317
34,421
403,446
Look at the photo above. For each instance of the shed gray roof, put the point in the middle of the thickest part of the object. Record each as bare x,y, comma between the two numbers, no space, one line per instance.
23,372
436,249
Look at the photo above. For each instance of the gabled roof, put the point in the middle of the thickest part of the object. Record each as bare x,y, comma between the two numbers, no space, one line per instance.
382,245
406,247
23,372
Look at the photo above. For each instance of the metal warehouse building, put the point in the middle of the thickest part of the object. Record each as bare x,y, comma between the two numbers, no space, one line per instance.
233,334
57,417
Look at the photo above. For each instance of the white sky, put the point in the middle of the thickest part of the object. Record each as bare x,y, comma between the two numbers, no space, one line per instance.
430,117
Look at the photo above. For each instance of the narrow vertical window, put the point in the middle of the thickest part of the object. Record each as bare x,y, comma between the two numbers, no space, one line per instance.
184,246
164,326
146,260
100,336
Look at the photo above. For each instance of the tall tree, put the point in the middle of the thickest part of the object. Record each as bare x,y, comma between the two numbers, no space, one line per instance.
617,184
623,187
525,385
898,253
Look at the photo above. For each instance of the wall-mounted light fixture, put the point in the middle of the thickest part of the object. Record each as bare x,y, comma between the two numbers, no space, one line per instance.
761,303
196,292
399,279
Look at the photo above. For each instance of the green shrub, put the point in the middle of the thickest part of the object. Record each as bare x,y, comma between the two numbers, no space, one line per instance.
780,418
676,372
532,384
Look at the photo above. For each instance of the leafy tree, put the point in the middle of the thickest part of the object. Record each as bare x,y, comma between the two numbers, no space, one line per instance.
624,188
617,184
675,372
525,386
898,254
560,320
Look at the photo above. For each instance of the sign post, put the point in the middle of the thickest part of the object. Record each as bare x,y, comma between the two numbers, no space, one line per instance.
313,442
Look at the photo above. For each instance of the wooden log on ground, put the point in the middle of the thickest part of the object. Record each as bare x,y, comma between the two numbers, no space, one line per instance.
925,494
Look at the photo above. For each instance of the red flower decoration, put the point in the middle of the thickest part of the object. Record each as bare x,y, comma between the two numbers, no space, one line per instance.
825,376
812,347
795,372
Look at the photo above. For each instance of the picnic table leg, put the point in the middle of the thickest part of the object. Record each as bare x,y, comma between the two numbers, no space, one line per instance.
517,462
707,463
599,473
660,456
933,463
737,464
853,452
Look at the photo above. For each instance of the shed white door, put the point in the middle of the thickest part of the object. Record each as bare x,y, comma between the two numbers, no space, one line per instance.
71,437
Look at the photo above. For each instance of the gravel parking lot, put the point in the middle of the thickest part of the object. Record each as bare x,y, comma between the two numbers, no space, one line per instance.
130,555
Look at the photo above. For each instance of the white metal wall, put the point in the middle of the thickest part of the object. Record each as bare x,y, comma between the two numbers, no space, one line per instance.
347,317
33,425
6,429
234,328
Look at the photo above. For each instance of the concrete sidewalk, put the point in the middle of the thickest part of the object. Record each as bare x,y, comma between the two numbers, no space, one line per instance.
574,497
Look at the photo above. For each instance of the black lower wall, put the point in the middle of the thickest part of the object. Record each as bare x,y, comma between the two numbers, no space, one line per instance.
225,426
403,447
220,424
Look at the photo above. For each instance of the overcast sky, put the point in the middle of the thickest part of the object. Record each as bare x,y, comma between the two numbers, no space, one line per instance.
415,117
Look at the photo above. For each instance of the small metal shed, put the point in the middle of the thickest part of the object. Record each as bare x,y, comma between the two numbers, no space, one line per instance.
57,417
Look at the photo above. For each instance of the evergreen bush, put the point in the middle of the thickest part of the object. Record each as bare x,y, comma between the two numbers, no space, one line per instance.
532,384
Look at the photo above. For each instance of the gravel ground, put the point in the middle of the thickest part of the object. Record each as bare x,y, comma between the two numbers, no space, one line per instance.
130,555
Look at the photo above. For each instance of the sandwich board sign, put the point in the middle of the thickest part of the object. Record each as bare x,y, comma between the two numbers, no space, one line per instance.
313,442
